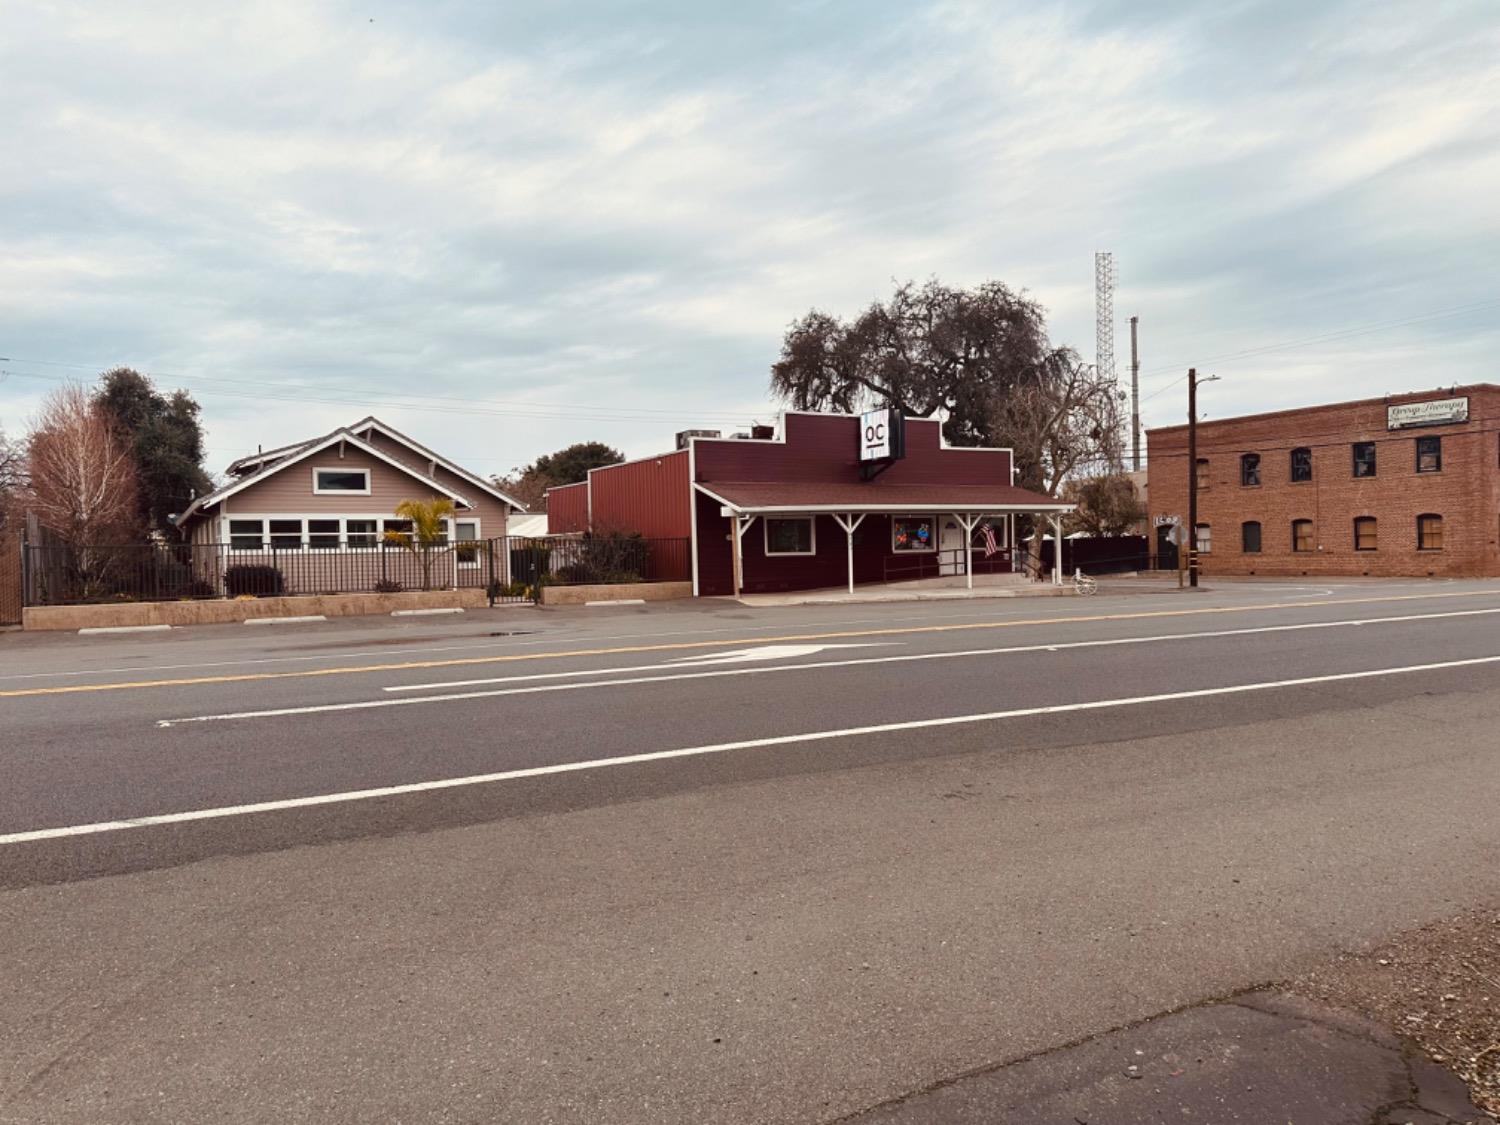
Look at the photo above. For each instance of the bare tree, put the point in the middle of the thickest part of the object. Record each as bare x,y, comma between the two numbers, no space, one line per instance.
12,477
82,482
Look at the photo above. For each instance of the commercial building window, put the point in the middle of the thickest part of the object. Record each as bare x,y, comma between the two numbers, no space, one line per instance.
919,533
790,536
247,535
323,534
1364,458
1200,471
1364,533
1249,470
1429,455
1250,537
1205,539
1301,465
1302,535
341,480
1429,533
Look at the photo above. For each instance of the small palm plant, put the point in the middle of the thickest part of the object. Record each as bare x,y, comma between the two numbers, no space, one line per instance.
429,530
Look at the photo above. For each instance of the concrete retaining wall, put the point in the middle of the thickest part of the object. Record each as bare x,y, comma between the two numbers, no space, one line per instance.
73,617
631,591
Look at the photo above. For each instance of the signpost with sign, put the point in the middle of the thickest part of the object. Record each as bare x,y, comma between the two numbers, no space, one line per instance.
882,440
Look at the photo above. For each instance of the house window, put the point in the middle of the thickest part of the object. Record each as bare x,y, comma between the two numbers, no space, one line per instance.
1205,539
466,531
1302,535
398,527
1250,470
1250,537
286,535
1429,455
323,535
1429,533
916,533
1201,473
790,536
1364,533
1364,458
1301,465
247,535
355,481
361,534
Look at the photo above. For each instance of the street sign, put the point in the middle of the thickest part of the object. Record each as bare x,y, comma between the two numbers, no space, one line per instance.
1178,535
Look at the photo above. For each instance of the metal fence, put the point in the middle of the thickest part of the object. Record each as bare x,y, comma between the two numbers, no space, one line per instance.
510,569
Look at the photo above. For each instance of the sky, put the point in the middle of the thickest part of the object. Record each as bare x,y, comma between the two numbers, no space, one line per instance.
507,227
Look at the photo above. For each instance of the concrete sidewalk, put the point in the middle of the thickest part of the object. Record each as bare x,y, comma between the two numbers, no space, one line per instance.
952,587
1259,1057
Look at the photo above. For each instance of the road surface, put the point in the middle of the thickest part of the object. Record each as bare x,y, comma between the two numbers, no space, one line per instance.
700,863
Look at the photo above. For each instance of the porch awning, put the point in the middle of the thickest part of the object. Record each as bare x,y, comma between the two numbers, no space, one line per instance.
874,496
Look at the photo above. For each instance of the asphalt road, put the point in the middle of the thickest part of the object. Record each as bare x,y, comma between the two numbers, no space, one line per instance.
700,863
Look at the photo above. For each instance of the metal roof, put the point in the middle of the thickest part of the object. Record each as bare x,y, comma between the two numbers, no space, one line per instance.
875,496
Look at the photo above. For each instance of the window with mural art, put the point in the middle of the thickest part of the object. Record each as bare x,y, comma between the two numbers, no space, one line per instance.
914,534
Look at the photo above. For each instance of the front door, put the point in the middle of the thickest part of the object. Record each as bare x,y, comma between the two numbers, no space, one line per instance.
951,546
1166,550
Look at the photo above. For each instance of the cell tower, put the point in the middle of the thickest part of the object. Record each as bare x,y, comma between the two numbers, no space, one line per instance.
1104,314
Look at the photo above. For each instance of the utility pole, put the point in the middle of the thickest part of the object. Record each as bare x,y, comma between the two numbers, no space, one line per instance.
1192,528
1135,399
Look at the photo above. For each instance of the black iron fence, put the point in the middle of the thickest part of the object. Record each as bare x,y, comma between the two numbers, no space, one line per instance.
510,569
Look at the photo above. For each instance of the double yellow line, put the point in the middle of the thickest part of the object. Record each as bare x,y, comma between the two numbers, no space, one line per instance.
675,646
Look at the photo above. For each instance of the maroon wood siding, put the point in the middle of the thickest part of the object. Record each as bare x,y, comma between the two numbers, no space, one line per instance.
648,497
568,508
825,447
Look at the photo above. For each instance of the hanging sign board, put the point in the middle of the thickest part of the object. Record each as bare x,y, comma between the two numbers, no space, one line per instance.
882,434
1436,412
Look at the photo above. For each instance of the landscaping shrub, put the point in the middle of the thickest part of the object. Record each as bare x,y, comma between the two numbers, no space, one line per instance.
388,586
257,580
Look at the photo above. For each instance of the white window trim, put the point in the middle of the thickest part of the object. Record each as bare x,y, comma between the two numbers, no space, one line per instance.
456,542
812,521
264,519
930,549
365,491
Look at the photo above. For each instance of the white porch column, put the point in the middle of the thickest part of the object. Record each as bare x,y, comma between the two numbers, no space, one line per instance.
742,524
848,522
1057,550
968,526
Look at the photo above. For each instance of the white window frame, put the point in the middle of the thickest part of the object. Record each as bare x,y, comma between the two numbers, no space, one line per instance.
454,541
932,545
365,491
811,521
1203,539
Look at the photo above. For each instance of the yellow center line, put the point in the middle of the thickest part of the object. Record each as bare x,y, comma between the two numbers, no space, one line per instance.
455,662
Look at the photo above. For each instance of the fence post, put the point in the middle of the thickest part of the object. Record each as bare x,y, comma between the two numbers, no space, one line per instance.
489,586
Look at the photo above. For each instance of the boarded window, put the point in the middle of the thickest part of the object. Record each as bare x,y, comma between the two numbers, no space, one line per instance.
1429,533
1250,537
1302,535
1364,533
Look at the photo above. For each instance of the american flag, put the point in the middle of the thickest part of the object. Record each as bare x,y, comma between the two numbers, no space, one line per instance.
990,546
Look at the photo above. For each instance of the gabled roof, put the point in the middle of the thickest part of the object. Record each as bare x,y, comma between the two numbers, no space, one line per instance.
364,425
317,445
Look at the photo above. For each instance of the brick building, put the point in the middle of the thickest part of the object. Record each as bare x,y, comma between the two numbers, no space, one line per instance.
1403,485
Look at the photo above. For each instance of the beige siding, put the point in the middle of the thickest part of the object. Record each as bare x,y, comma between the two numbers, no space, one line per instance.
290,491
490,511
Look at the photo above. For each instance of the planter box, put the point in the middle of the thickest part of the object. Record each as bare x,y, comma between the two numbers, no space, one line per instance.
219,611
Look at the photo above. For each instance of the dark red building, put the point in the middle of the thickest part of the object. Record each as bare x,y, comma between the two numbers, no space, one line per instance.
791,508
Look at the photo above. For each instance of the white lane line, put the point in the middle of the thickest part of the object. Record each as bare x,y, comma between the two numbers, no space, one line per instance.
1053,646
664,677
712,748
97,630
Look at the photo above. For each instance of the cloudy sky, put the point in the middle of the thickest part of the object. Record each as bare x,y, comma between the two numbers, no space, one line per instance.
506,227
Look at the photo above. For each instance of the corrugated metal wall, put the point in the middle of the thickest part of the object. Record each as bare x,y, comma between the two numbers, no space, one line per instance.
568,508
650,497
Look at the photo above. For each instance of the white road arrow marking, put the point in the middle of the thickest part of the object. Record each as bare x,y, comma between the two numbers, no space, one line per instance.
765,652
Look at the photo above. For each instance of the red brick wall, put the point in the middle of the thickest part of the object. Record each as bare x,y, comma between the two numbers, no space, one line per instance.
1466,493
